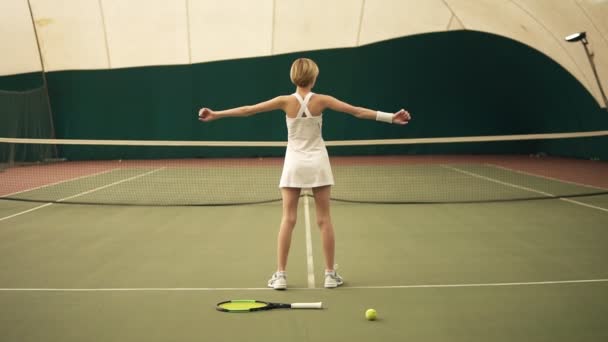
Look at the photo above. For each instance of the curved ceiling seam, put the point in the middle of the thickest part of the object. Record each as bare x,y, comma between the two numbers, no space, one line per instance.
361,14
460,22
589,84
447,28
105,33
454,14
188,38
37,38
591,21
272,29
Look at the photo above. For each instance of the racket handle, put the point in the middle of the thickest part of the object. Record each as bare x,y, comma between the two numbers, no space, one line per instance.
318,305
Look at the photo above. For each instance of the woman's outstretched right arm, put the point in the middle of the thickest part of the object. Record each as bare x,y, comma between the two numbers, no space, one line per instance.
206,114
401,117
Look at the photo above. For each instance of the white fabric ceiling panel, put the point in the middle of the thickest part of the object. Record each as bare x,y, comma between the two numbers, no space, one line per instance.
500,17
146,32
18,50
71,34
597,12
100,34
230,29
387,19
455,24
315,24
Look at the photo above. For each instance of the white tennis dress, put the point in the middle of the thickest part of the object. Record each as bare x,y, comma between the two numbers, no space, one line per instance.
306,160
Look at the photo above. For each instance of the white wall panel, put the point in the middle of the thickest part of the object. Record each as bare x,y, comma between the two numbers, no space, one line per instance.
597,12
387,19
455,24
71,34
146,32
230,29
315,24
18,50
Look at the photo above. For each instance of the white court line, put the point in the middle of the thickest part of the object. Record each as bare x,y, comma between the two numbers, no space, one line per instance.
25,211
309,260
59,182
529,283
546,177
201,289
584,204
497,181
523,188
80,194
112,184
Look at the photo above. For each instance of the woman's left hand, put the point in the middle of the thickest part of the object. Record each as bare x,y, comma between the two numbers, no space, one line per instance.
402,117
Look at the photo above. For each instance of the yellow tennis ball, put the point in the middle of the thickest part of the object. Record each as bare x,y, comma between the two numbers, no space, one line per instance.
371,314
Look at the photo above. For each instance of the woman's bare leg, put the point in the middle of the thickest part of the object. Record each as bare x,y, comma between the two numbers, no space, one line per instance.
288,222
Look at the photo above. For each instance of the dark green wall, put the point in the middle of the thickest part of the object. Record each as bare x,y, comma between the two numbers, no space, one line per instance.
24,113
460,83
21,82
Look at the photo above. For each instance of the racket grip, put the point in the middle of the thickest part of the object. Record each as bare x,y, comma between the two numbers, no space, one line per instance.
318,305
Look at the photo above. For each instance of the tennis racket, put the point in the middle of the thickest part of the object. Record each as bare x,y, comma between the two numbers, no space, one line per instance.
249,305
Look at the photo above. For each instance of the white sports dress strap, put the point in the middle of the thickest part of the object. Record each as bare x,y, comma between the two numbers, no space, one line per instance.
303,105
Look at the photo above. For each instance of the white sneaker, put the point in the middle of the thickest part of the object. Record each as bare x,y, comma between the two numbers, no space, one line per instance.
278,281
332,279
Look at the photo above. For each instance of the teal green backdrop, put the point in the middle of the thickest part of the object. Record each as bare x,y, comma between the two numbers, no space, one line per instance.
459,83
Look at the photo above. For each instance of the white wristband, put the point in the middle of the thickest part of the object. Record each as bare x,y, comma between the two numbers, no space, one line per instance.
384,117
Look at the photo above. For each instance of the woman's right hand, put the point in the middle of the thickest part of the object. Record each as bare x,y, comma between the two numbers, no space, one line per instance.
206,115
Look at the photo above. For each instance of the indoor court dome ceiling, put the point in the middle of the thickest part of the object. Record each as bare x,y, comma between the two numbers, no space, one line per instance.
108,34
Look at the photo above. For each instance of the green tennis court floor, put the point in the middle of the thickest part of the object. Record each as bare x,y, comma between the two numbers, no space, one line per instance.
517,271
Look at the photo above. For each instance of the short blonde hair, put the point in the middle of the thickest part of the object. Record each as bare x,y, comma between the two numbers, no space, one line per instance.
303,72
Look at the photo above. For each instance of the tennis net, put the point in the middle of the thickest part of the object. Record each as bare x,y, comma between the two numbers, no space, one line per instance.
183,173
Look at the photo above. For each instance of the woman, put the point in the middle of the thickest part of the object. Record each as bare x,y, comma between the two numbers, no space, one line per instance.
306,160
